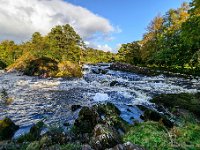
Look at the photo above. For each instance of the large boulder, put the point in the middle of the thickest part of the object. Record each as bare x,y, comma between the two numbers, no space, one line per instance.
104,137
153,115
7,129
34,65
86,120
127,146
110,115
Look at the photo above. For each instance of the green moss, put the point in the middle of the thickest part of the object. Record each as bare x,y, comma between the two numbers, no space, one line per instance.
186,101
7,129
71,146
33,146
150,135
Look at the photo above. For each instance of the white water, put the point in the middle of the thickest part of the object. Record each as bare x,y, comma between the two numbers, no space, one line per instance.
51,99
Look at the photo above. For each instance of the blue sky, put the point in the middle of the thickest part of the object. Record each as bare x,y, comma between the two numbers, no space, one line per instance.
131,16
103,24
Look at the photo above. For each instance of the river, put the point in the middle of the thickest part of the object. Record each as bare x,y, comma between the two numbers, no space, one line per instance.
51,99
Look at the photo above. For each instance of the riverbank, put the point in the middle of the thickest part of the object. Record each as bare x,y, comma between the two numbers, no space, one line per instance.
154,71
100,127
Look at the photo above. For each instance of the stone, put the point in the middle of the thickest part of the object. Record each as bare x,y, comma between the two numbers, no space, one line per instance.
96,71
150,114
75,107
87,147
104,137
7,129
113,83
86,120
126,146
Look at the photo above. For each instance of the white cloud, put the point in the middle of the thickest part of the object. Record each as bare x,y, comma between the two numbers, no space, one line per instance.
104,47
20,18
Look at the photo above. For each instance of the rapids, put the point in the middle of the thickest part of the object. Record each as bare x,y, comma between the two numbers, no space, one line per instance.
50,99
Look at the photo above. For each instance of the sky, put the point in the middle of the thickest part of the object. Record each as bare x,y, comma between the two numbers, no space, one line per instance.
103,24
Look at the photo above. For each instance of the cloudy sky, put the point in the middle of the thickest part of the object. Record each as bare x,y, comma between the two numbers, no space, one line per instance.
103,24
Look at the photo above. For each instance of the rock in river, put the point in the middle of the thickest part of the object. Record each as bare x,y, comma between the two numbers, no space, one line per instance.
7,129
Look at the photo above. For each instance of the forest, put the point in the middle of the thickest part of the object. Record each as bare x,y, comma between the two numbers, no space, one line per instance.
172,41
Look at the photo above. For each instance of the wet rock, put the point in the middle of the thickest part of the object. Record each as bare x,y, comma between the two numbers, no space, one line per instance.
36,129
186,101
104,71
150,114
75,107
113,83
96,71
104,137
87,147
57,136
130,146
126,146
99,71
87,120
7,129
111,116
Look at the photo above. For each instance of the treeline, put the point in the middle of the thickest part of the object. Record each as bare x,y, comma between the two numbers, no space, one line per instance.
61,44
171,40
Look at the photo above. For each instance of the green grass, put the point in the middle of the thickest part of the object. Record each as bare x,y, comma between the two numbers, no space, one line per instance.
154,136
150,135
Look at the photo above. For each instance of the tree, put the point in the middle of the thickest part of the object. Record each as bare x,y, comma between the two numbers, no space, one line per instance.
63,39
130,53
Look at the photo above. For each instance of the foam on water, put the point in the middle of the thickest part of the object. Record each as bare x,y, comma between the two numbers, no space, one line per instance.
51,99
99,97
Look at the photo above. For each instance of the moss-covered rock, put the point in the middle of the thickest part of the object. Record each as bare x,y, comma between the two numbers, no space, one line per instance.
43,66
87,120
7,129
153,115
186,101
110,115
127,146
34,65
104,137
71,146
68,69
